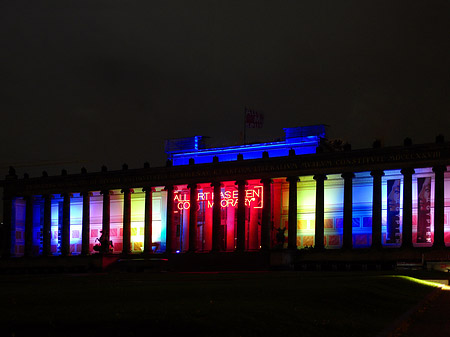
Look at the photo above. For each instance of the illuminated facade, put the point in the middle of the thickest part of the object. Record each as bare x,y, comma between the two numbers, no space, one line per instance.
289,195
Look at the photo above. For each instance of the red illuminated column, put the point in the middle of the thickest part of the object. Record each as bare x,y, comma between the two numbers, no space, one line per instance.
407,207
347,241
240,226
439,241
65,234
320,211
376,208
148,218
46,231
193,218
216,217
266,214
126,248
7,223
29,226
85,223
292,213
106,217
170,232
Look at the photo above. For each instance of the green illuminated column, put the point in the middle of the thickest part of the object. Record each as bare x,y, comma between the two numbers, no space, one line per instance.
376,208
439,206
240,230
29,226
348,210
47,230
320,211
266,214
126,248
85,223
65,234
292,213
106,221
170,232
216,218
407,207
7,223
193,218
148,218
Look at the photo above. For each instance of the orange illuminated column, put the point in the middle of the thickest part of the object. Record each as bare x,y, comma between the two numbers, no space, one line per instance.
240,230
266,214
170,232
320,211
85,223
376,208
126,248
193,217
348,210
407,207
292,212
29,225
148,218
7,222
216,217
106,219
439,206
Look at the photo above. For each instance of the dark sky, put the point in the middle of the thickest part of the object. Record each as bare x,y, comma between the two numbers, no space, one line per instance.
86,83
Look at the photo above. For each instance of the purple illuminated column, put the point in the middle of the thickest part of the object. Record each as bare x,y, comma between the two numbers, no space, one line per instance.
29,226
376,208
216,217
319,234
106,221
348,210
85,223
7,225
148,218
292,213
126,248
439,241
407,207
266,214
170,232
65,234
240,230
47,230
193,218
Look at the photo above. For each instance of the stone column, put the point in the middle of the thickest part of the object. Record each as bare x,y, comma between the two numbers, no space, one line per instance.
126,247
65,234
170,232
240,230
319,235
216,218
439,241
148,218
347,241
193,218
29,226
106,221
7,223
292,213
86,223
407,207
266,214
47,229
376,208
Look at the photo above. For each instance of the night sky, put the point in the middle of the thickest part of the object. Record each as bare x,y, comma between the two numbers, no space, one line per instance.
86,83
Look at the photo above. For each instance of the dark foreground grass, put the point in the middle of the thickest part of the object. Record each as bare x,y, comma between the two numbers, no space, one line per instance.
218,304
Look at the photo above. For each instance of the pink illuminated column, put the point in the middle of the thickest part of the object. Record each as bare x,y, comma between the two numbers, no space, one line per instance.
216,217
439,206
376,208
347,241
29,226
292,212
126,248
85,223
106,221
65,234
407,207
148,218
319,229
240,230
170,232
193,217
266,214
47,235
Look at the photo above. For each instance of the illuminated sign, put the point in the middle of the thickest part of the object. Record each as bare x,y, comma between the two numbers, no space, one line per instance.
253,198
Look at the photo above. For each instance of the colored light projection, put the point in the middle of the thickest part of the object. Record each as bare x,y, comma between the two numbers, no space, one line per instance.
333,215
423,207
280,208
447,206
392,207
18,230
362,210
306,211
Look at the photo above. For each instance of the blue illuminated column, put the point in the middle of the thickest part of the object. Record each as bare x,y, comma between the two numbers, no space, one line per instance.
240,243
320,211
29,226
407,207
439,206
170,232
65,234
193,218
292,212
106,221
85,222
7,223
47,230
216,217
376,208
266,214
126,248
148,218
347,241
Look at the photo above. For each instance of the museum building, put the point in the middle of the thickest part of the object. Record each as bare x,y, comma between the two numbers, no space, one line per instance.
298,194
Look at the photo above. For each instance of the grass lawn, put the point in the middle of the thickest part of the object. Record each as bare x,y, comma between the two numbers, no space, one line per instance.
216,304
